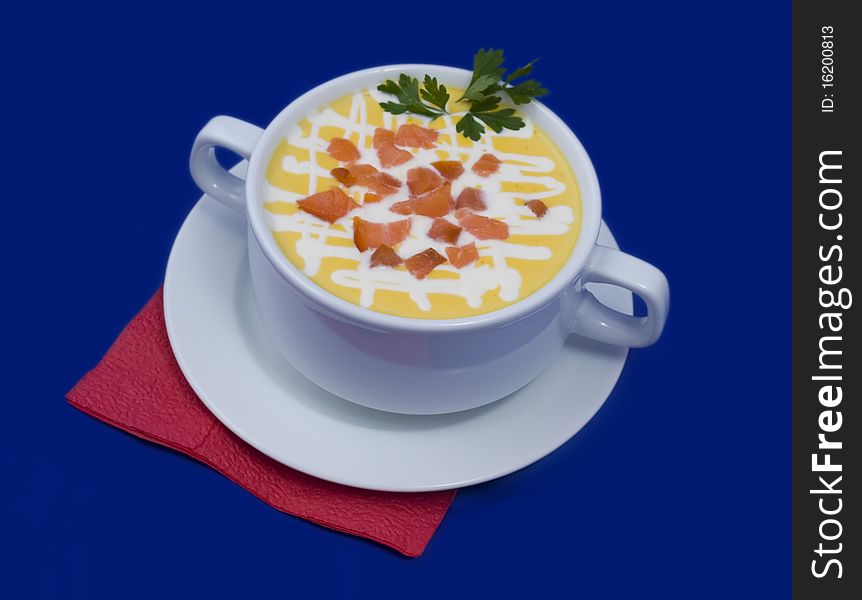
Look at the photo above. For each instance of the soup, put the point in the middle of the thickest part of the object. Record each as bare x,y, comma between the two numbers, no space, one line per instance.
403,215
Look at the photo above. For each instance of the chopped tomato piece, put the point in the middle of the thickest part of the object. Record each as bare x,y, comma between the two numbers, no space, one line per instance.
385,256
391,155
450,169
483,228
471,198
343,150
343,176
371,197
415,136
382,136
462,256
435,203
367,234
378,182
422,179
538,207
444,231
423,263
488,164
330,205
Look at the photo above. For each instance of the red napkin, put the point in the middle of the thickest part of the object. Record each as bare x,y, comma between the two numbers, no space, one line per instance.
139,388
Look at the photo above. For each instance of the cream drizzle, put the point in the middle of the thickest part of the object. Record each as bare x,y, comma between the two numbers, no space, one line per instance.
472,281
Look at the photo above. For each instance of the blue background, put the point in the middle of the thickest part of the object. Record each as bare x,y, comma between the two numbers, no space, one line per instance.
678,488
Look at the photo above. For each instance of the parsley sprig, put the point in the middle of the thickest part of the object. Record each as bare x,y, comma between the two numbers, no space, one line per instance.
483,95
410,97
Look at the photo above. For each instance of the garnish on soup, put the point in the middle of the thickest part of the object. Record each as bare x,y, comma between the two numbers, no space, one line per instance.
367,234
421,264
470,198
538,207
483,228
382,184
343,150
329,206
391,155
385,256
343,176
422,179
436,203
461,256
450,169
444,231
488,164
482,96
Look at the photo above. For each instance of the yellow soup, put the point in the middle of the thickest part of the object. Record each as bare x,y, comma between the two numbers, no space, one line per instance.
507,270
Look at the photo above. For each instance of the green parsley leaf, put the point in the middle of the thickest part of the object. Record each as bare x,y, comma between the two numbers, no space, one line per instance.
470,128
389,87
436,94
501,119
525,91
394,108
480,87
407,92
487,73
486,104
521,71
488,63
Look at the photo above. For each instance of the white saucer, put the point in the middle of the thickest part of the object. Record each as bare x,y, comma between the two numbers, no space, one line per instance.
222,347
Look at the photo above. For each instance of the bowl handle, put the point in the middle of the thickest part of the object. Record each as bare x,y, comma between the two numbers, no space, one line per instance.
592,319
211,177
